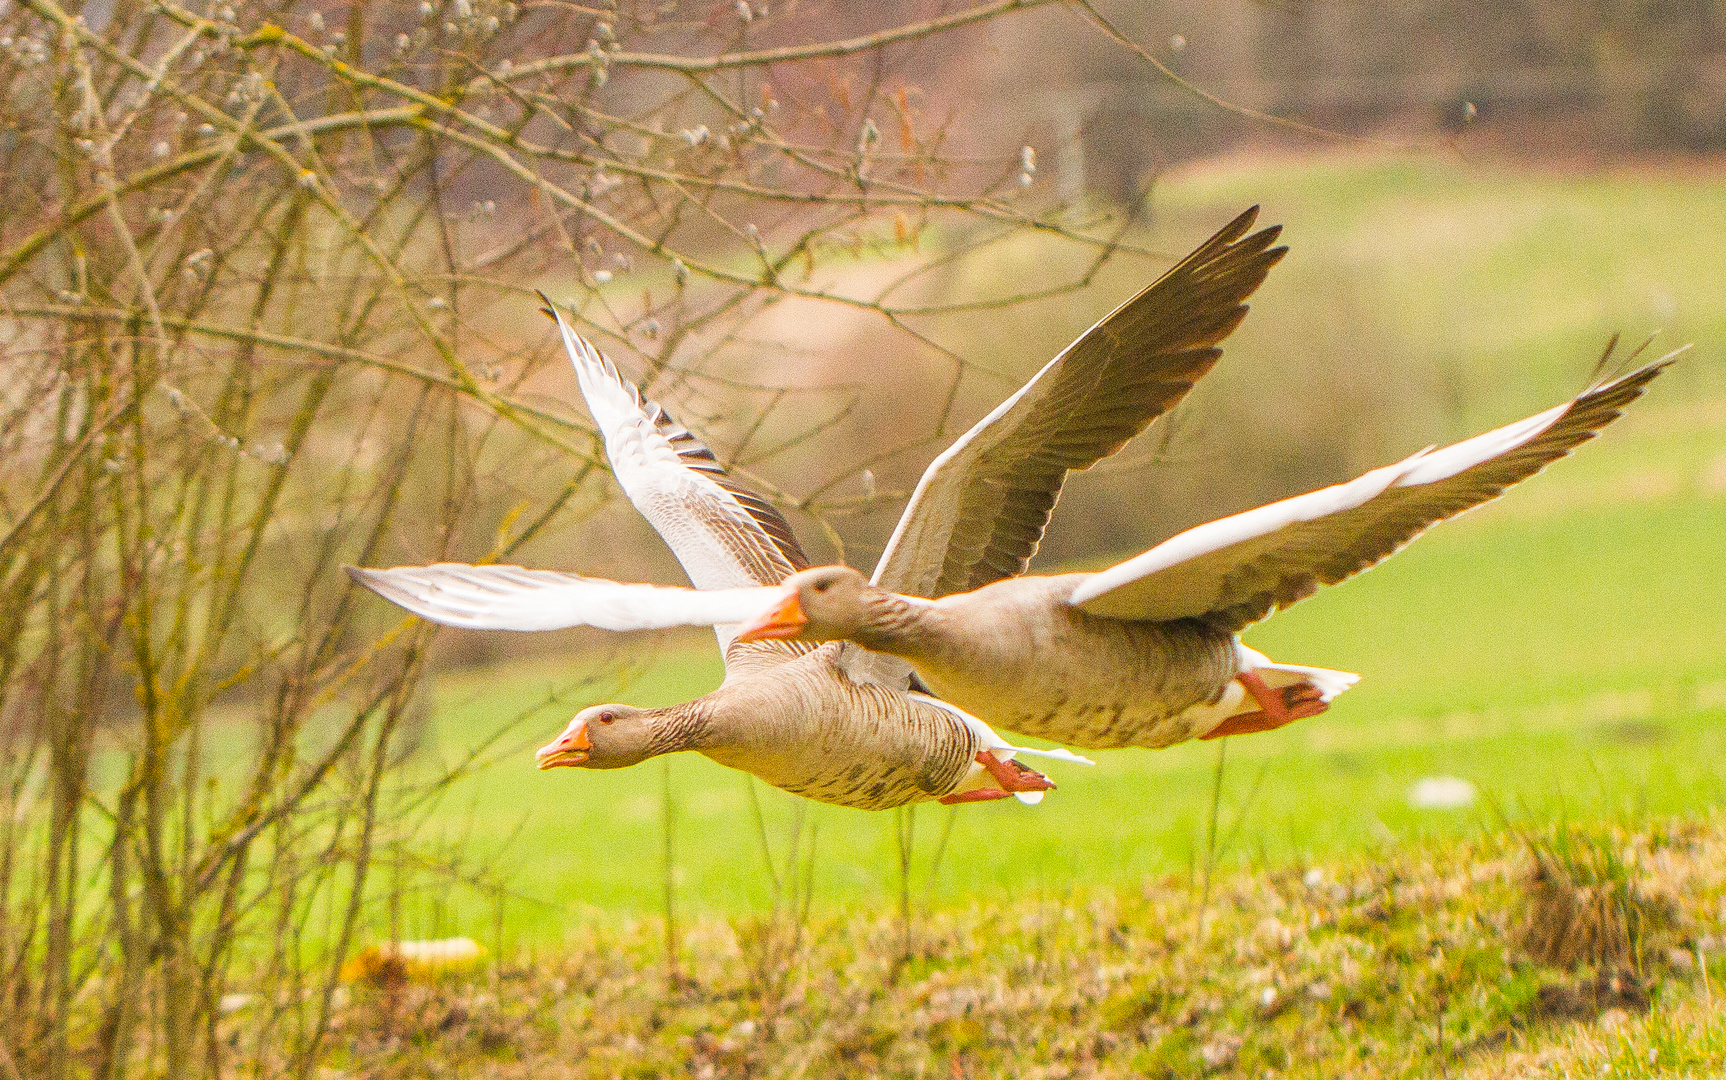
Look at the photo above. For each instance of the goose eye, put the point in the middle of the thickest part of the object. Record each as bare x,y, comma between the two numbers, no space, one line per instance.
822,586
607,717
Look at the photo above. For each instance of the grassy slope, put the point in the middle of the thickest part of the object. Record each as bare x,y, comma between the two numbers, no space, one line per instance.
1407,965
1560,649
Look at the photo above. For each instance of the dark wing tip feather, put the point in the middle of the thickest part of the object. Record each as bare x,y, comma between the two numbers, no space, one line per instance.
1626,388
1593,409
1231,232
1610,376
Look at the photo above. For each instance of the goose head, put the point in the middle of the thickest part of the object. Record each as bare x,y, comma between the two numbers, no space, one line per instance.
604,737
821,604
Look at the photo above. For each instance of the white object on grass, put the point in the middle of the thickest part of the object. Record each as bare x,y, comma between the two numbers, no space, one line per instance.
1441,793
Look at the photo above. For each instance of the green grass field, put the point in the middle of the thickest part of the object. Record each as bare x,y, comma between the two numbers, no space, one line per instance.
1562,649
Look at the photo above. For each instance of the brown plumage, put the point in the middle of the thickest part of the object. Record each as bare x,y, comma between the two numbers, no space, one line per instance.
1018,653
788,712
835,724
803,726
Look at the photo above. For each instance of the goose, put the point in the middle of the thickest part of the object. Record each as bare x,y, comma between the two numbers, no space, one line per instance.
838,723
807,727
1148,652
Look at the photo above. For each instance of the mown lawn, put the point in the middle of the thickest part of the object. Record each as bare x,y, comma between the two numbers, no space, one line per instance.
1560,649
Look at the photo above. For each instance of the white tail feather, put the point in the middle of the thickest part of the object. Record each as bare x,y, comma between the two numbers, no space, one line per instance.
1057,753
1327,681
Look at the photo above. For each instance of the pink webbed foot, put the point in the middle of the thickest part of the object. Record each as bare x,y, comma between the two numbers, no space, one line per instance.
1013,776
1276,707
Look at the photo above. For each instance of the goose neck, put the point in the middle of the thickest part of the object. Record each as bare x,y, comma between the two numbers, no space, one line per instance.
903,626
683,727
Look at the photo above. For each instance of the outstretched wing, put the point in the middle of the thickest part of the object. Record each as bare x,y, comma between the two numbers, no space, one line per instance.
979,511
513,598
1235,571
725,535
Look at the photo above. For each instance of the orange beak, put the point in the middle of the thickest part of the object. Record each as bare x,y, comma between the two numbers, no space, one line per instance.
570,748
784,620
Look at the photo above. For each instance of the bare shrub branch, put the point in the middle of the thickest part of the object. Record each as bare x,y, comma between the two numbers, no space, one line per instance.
266,307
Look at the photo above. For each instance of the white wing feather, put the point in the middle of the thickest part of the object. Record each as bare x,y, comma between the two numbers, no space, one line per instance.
514,598
713,535
671,496
1184,594
1216,535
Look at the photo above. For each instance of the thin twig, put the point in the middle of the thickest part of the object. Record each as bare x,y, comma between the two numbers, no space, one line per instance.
1211,837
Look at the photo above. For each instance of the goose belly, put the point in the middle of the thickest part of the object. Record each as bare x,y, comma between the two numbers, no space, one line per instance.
1097,683
866,747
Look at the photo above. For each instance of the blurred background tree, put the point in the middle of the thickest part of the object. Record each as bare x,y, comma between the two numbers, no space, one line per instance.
267,277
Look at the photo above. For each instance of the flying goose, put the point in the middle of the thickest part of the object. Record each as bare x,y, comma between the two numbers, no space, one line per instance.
977,514
805,725
1147,652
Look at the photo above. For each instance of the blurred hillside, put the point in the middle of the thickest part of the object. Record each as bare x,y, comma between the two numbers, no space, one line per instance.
1423,300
